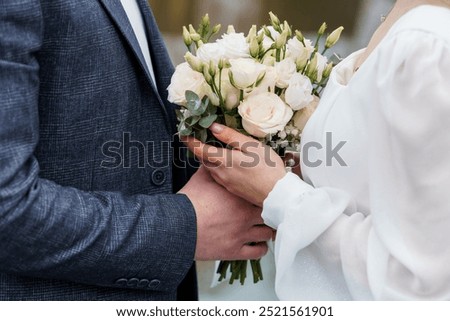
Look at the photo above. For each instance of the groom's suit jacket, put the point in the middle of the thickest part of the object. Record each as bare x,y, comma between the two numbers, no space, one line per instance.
87,182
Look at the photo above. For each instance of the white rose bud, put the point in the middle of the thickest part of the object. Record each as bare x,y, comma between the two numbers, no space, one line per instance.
245,72
187,37
322,63
274,19
216,29
302,61
322,29
298,94
281,40
195,37
333,38
254,48
328,70
302,116
312,66
252,33
234,46
285,70
195,63
230,29
264,114
185,79
299,35
288,28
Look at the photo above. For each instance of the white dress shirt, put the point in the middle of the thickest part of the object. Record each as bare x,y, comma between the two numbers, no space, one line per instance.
379,227
137,22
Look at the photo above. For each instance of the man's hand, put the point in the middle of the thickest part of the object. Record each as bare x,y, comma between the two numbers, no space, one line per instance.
226,224
250,170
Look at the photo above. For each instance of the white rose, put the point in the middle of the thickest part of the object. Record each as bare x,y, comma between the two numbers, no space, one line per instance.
298,94
210,52
285,70
245,72
234,45
267,84
302,116
321,65
185,79
296,48
264,114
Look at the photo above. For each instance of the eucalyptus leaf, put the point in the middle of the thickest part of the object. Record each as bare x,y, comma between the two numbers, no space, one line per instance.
200,109
207,121
202,135
191,96
194,107
211,110
184,130
192,120
193,102
205,101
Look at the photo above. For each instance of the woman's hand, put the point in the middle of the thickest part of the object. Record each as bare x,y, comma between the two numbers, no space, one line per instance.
249,170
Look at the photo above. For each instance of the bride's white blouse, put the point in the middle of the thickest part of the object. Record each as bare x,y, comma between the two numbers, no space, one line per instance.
378,226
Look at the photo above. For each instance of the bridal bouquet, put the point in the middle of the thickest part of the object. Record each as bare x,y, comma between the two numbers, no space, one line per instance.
265,84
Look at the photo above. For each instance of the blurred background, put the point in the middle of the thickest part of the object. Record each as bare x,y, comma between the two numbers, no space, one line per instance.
359,17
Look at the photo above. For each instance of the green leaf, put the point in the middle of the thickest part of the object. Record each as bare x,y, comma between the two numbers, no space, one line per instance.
191,96
207,121
196,106
191,121
211,110
184,129
193,101
201,135
205,100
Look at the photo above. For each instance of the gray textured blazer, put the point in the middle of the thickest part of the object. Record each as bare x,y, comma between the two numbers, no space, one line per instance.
87,210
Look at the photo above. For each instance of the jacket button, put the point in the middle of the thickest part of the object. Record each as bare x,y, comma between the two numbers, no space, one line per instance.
158,177
122,282
154,284
143,283
132,283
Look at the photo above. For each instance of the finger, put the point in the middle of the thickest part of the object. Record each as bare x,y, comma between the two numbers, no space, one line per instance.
253,252
233,138
206,153
259,234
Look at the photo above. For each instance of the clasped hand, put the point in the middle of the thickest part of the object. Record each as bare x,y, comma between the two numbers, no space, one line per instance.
249,170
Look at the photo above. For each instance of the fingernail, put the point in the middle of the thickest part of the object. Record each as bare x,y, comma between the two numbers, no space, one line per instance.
216,128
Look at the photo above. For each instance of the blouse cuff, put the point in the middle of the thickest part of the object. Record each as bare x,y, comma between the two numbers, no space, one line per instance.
286,191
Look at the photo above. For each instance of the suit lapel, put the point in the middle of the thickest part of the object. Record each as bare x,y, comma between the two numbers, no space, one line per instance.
162,65
164,68
120,18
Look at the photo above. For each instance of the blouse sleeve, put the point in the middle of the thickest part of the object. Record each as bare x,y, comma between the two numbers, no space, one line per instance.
400,249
